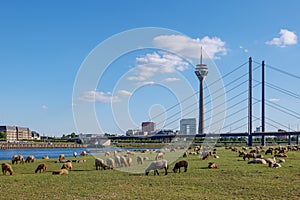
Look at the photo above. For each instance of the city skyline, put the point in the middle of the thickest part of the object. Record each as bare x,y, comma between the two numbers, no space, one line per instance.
43,48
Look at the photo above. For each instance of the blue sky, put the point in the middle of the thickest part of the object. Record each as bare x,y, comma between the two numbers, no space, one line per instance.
44,44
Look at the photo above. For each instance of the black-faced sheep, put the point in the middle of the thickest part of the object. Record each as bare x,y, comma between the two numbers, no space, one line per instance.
7,168
156,165
180,164
30,159
41,167
83,153
17,158
75,154
67,165
60,172
212,165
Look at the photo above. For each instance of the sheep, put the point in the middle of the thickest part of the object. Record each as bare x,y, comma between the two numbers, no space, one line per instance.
84,153
99,163
146,158
117,161
7,168
67,165
159,155
61,157
180,164
216,156
212,165
45,157
17,158
172,150
185,154
110,162
257,161
139,160
60,172
123,161
156,165
106,153
129,160
75,154
276,165
271,160
30,159
269,151
281,155
281,160
41,167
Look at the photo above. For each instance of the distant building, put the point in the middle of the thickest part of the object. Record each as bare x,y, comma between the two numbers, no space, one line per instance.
148,127
15,133
135,132
188,126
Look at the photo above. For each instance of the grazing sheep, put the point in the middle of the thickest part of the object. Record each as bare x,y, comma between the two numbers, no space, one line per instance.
180,164
17,158
249,155
281,155
60,172
269,151
110,162
106,153
123,161
185,154
146,158
67,165
61,157
281,160
156,165
276,165
117,161
41,167
30,159
99,163
271,160
7,168
75,154
159,156
84,153
129,161
257,161
139,160
45,157
212,165
216,156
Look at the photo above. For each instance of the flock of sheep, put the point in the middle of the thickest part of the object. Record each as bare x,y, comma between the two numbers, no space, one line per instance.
114,160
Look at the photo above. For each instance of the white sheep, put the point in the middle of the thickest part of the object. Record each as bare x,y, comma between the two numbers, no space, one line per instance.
146,158
75,154
129,160
156,165
110,162
281,160
257,161
117,161
123,161
107,153
139,160
159,156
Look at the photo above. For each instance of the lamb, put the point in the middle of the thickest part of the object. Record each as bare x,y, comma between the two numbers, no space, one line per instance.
257,161
159,156
7,168
60,172
212,165
67,165
139,160
75,154
41,167
30,159
61,157
99,163
110,162
180,164
156,165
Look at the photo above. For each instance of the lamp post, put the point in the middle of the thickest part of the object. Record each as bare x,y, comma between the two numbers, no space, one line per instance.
201,72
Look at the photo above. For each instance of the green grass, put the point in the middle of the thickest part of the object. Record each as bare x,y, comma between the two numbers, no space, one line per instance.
234,179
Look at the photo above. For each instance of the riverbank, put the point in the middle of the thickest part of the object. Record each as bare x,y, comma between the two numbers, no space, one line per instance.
40,145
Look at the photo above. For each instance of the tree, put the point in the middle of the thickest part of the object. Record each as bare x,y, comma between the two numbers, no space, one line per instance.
73,135
3,135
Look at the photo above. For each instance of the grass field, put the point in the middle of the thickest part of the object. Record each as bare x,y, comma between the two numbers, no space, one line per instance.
234,179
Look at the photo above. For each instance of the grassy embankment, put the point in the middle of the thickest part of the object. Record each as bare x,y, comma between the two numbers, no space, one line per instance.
234,179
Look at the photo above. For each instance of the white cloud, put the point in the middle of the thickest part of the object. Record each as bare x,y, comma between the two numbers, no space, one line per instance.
44,107
145,83
94,96
191,48
286,38
171,79
124,92
244,49
273,99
